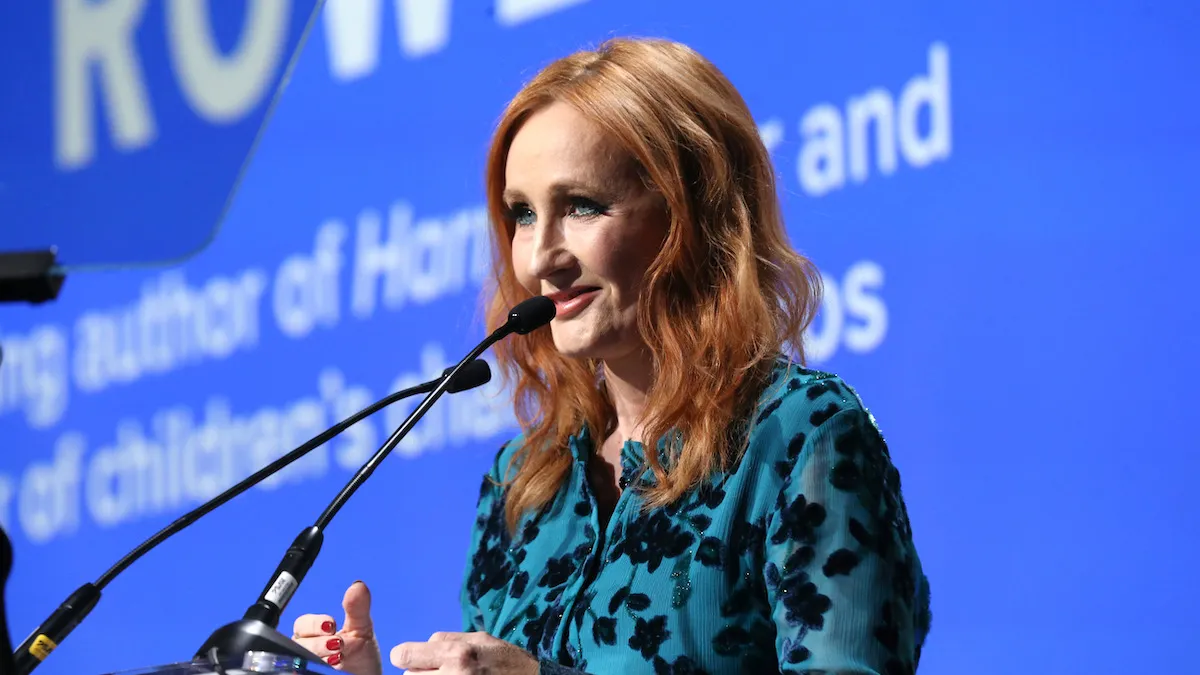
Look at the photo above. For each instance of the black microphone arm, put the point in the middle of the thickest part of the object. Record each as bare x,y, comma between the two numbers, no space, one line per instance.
257,630
79,604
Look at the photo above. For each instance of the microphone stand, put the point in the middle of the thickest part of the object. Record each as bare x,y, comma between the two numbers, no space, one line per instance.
79,604
257,629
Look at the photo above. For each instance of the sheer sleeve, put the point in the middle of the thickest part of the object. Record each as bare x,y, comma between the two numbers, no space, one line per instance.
843,579
488,569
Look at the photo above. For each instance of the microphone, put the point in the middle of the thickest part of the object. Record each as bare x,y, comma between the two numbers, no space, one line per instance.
79,604
257,629
6,560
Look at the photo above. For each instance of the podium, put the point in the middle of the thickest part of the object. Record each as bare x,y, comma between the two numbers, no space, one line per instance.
265,663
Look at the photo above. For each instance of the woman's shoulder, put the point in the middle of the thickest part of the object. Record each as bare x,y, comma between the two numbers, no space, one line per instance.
801,406
807,397
502,466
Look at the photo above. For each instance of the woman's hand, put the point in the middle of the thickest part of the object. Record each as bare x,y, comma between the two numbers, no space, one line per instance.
353,648
465,654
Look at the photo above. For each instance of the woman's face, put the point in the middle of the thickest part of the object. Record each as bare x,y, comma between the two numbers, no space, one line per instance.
586,230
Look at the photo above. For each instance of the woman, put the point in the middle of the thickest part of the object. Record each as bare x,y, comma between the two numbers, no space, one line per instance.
766,531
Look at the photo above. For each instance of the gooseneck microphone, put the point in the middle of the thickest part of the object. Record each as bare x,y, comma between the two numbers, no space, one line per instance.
79,604
256,631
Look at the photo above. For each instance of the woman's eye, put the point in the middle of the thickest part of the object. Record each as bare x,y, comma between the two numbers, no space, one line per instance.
582,207
521,214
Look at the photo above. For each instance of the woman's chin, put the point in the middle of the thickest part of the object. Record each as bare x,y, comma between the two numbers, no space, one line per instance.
607,350
575,346
574,350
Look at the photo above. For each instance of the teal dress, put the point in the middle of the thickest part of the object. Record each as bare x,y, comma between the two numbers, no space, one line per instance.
798,560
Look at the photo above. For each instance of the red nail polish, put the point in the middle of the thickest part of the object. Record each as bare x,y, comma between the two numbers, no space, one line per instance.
334,645
328,626
334,659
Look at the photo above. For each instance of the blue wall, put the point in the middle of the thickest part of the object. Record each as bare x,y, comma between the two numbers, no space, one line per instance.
1010,265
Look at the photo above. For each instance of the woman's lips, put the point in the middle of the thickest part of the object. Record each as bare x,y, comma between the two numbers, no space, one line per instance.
571,302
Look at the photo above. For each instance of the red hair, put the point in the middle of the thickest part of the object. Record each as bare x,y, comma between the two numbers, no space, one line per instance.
723,298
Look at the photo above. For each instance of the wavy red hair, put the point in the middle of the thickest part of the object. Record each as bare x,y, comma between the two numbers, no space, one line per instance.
724,297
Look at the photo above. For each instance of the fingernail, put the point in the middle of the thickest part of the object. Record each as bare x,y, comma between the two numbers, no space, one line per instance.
359,581
328,626
334,645
334,659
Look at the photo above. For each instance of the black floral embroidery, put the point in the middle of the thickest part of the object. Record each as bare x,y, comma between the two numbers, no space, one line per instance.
903,584
529,531
490,571
752,646
794,652
845,476
795,446
490,567
819,389
558,571
535,629
682,665
798,521
519,582
519,620
710,496
637,602
841,561
738,575
604,631
800,558
864,470
771,407
553,619
618,599
747,537
583,607
649,635
819,417
653,538
709,553
806,606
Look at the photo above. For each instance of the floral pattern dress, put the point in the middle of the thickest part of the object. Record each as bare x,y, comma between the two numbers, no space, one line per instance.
799,559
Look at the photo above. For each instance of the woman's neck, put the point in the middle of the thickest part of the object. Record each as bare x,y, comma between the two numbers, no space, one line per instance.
628,381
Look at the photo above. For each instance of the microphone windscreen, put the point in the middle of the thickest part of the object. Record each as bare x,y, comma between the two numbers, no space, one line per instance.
472,375
531,314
